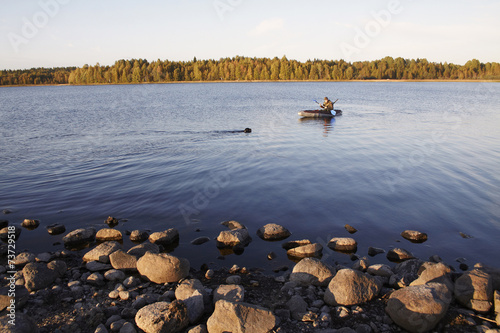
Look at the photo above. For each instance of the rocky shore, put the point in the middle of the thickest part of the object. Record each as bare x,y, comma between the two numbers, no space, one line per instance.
97,285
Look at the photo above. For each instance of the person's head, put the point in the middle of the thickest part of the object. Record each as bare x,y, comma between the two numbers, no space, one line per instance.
326,98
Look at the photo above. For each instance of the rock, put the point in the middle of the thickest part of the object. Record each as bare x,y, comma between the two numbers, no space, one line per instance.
128,327
114,275
79,237
474,289
414,236
30,224
95,279
58,266
131,282
493,272
108,234
380,270
200,240
4,233
419,308
162,268
202,328
23,258
296,243
111,221
350,229
273,232
139,236
231,238
101,252
44,257
209,274
312,271
56,229
239,317
24,324
343,244
38,276
193,294
101,329
141,249
310,250
229,292
162,317
271,255
361,264
496,301
3,223
165,238
297,307
434,272
399,255
123,261
95,266
349,287
373,251
233,279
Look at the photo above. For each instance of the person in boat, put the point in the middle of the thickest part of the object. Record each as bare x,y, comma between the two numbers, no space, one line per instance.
327,105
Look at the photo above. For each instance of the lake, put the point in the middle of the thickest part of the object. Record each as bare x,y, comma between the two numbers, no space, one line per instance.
404,155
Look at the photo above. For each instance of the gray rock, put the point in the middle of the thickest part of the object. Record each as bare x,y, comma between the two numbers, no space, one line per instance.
343,244
95,266
312,271
434,272
163,268
101,329
131,282
202,328
23,324
350,287
95,279
141,249
44,257
361,264
229,292
233,279
414,236
101,252
380,270
240,317
474,289
56,229
23,258
114,275
193,294
4,233
58,266
165,238
108,234
399,255
79,237
273,231
233,237
373,251
296,243
38,276
297,307
123,261
309,250
163,317
200,240
30,224
419,308
139,236
128,327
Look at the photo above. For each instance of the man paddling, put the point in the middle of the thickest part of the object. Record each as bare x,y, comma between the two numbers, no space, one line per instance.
327,105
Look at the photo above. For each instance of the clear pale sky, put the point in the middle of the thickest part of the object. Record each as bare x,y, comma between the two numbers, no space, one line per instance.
51,33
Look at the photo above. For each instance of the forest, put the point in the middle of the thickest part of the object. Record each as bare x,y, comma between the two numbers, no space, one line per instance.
252,69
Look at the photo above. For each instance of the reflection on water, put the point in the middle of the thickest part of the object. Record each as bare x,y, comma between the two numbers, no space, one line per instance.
326,124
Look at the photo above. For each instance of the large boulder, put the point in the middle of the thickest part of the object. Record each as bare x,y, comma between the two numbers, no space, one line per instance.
162,268
312,271
163,317
474,289
272,232
79,237
239,317
193,294
434,272
351,287
165,238
38,276
419,308
101,252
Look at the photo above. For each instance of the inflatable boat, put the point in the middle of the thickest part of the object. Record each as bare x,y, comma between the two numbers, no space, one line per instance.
319,113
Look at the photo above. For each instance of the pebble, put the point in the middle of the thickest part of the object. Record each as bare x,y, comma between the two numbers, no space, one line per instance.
124,295
209,274
234,279
114,294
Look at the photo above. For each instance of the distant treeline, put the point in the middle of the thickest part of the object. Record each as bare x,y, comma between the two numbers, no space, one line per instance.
248,69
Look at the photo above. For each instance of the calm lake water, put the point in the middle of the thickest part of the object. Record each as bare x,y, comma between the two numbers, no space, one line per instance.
422,156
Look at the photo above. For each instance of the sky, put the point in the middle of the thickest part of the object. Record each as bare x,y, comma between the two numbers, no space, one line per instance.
60,33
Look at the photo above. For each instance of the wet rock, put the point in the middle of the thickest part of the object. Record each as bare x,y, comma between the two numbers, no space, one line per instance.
111,221
240,317
343,244
271,255
123,261
108,234
273,232
6,211
101,252
162,268
361,264
474,289
414,236
141,249
30,224
209,274
350,287
4,233
24,324
380,270
56,229
236,235
79,237
296,243
419,308
312,271
165,238
350,229
139,236
399,255
200,240
229,292
373,251
163,317
310,250
38,276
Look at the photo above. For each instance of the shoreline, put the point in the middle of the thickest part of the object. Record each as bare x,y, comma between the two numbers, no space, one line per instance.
105,286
